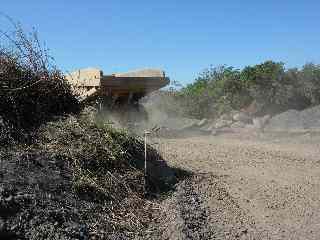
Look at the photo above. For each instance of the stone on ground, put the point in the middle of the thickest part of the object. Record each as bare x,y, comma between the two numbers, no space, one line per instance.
222,123
242,117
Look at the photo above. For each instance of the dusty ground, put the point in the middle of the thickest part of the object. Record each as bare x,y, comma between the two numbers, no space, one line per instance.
264,187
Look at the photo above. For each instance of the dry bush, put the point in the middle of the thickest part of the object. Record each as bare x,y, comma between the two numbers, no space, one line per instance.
77,175
32,89
74,178
107,163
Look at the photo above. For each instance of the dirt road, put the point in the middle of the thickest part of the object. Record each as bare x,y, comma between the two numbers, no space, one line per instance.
245,188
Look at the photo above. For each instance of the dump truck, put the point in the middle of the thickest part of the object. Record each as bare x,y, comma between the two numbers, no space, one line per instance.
118,92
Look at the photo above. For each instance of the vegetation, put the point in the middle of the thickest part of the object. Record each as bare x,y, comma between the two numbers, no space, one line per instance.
78,178
73,178
107,164
32,89
221,89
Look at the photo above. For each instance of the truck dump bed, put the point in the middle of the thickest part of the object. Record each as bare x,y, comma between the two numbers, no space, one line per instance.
144,81
91,81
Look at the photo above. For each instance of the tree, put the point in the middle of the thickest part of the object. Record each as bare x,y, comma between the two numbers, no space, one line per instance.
264,80
309,81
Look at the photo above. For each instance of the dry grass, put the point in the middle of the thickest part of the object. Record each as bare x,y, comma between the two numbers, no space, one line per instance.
94,171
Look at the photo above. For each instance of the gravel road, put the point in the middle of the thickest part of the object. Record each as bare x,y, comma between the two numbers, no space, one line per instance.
244,188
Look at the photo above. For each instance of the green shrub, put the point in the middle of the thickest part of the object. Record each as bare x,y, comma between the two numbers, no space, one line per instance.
276,89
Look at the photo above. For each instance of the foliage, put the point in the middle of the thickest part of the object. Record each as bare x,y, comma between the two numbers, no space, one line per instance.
222,89
214,92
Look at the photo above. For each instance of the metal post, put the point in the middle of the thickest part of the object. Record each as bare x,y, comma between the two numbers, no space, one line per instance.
145,161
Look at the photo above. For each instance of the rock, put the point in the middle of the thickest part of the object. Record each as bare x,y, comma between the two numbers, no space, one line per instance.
253,108
242,117
295,121
226,116
257,124
290,120
190,126
260,122
311,118
222,123
202,122
208,126
238,125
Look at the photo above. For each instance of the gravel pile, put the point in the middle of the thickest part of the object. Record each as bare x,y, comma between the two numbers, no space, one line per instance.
296,121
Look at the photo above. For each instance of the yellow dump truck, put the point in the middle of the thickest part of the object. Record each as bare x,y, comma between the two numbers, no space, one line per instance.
119,91
91,82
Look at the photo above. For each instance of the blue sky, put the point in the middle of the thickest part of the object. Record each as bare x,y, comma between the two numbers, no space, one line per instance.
183,37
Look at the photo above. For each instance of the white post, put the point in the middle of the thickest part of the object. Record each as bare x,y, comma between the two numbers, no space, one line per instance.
145,161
